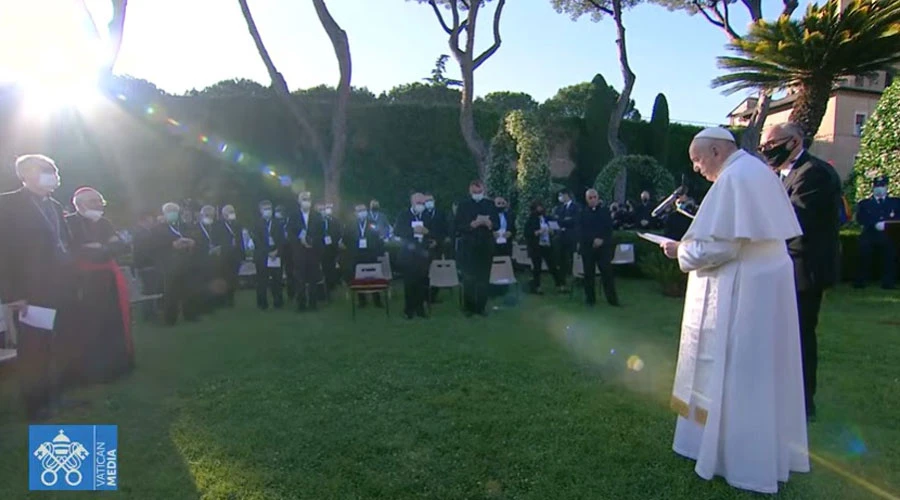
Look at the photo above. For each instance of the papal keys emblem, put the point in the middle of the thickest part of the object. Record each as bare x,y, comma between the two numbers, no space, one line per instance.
61,454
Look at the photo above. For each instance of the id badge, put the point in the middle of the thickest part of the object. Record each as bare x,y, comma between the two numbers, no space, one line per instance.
327,240
363,244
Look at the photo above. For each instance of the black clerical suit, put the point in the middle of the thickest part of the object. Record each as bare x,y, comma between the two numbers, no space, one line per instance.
566,240
596,223
36,266
814,188
287,258
870,212
644,211
209,269
151,278
676,226
231,236
414,262
539,250
307,237
268,241
181,293
363,246
437,226
477,248
331,235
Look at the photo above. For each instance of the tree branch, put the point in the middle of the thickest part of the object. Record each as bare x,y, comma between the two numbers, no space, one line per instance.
721,19
789,7
497,41
605,10
280,85
457,29
470,29
440,17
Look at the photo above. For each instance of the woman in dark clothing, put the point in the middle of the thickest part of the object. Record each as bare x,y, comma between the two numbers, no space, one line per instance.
537,239
101,347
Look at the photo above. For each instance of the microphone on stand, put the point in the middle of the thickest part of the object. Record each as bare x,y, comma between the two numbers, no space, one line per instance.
664,205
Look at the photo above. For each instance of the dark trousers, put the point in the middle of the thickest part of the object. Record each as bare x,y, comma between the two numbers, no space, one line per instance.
181,295
268,279
307,274
41,360
415,292
808,304
329,269
476,278
868,243
538,256
598,258
152,284
231,265
287,265
566,251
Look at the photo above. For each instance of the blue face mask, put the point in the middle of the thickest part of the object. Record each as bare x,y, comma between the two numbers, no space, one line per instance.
172,217
267,213
880,191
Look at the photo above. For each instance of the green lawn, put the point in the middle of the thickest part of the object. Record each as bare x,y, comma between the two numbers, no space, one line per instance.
534,401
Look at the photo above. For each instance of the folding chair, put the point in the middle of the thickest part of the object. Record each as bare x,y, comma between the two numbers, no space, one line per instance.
502,273
577,272
520,255
136,290
443,274
624,254
369,279
385,261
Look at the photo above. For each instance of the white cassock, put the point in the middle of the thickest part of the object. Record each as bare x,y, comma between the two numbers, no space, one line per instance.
739,382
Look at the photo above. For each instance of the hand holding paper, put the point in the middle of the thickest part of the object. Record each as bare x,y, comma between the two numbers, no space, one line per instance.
654,238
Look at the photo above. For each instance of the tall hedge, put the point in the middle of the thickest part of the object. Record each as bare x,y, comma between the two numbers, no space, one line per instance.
659,130
533,176
501,173
879,152
644,173
593,142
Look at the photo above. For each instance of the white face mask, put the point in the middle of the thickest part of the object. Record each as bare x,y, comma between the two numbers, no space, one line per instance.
880,192
328,211
305,204
48,181
478,196
230,217
429,205
207,221
561,199
418,208
362,215
267,213
93,215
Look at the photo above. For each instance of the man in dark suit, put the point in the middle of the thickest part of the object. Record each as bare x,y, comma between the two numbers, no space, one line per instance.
331,235
506,230
595,233
284,219
643,213
307,237
37,270
268,252
436,223
476,221
362,245
173,243
815,191
871,214
233,253
566,216
414,259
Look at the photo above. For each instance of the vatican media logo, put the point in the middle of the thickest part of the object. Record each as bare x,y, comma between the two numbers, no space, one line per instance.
73,457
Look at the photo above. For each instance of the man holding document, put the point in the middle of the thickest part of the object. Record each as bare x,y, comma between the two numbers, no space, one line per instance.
739,382
36,279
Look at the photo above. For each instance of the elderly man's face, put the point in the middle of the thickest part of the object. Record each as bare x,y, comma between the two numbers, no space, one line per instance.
91,201
705,159
592,198
38,177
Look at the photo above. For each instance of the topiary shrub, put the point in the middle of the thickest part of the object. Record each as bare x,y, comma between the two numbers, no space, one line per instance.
879,151
644,172
665,271
501,173
533,172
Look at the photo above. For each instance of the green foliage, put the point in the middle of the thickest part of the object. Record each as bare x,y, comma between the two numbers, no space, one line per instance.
573,102
236,87
665,271
593,143
438,77
659,128
504,102
644,173
501,172
879,152
420,93
533,173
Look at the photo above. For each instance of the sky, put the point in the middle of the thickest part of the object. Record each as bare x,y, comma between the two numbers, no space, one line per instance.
185,44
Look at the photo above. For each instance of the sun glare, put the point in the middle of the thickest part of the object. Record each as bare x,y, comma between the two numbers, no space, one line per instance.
52,52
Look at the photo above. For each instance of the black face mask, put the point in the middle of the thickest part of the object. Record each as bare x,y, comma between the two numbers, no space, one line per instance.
777,155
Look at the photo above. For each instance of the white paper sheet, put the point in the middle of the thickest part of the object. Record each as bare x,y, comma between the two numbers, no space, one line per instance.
553,225
274,262
655,238
39,317
363,243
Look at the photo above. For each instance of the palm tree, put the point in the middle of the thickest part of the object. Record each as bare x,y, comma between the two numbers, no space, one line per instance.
812,54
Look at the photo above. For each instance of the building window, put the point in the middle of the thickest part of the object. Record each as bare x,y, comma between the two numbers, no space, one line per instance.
858,124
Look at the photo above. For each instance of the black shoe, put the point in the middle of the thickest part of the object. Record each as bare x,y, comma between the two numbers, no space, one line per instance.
409,315
615,303
263,307
421,313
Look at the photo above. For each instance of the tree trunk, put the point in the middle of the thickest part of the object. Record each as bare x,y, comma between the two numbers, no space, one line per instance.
332,169
467,119
615,119
750,138
809,108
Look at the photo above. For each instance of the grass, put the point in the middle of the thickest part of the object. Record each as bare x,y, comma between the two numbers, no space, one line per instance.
534,401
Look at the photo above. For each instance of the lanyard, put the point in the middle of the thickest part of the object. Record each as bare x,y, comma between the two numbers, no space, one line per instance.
326,224
362,230
175,231
269,230
52,225
231,231
206,233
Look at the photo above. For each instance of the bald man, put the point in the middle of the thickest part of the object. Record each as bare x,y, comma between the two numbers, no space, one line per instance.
36,269
102,347
595,243
738,388
814,188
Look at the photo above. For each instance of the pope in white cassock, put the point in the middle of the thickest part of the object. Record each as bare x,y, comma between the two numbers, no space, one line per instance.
739,382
